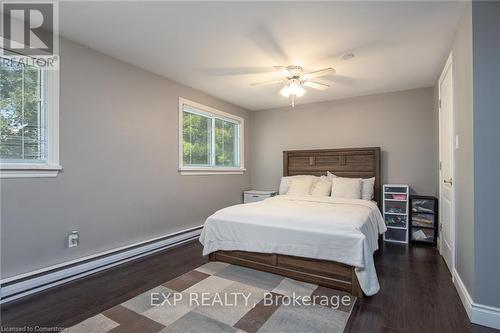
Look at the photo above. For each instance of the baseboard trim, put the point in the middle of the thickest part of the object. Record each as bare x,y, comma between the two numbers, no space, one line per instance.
478,313
463,293
29,283
486,315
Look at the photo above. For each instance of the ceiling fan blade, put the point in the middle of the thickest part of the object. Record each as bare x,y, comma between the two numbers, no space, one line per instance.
321,72
316,85
235,71
266,82
283,70
341,79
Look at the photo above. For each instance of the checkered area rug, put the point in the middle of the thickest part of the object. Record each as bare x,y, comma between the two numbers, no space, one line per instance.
206,300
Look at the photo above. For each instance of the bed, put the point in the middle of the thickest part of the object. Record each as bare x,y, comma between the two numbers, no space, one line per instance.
326,241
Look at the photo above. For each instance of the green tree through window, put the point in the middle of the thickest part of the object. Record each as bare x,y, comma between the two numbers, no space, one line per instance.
209,140
22,120
197,139
225,136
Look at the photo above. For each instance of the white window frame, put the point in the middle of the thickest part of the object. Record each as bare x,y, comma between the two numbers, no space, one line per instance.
211,170
52,166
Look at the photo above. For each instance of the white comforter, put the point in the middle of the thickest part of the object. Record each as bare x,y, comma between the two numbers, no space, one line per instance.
342,230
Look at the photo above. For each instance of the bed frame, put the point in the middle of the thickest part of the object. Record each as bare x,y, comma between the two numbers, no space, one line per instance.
352,162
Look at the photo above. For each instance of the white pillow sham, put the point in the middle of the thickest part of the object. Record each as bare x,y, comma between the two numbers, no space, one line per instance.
322,188
330,175
300,186
346,188
367,187
286,182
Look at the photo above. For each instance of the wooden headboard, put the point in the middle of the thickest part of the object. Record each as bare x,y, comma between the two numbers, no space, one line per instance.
347,162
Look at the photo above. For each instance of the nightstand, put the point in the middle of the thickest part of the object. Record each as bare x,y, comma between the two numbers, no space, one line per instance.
254,196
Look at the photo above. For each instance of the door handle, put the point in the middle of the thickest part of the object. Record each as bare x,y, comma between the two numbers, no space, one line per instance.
448,181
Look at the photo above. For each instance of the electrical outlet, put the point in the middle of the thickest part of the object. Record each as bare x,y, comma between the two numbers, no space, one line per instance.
73,239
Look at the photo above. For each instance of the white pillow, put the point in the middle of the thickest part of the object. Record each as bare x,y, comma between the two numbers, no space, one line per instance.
286,181
300,186
347,188
367,188
330,175
284,185
322,188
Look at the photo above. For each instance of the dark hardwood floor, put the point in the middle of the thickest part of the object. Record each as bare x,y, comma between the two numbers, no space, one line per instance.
416,294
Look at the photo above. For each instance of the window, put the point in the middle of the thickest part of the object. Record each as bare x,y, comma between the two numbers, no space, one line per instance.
28,119
210,141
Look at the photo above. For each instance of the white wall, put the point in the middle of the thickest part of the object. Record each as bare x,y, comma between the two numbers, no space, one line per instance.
401,123
119,151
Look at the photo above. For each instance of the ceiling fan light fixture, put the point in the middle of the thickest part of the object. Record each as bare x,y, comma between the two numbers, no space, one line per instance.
285,91
295,89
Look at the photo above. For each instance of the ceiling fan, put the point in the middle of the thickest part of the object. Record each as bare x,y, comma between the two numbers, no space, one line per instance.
295,79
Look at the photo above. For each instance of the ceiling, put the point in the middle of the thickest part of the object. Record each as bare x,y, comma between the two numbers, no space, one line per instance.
222,47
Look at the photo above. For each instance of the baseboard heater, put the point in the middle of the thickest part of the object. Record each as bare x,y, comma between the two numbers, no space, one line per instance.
29,283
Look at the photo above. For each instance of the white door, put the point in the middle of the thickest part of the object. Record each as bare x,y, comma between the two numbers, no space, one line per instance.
446,172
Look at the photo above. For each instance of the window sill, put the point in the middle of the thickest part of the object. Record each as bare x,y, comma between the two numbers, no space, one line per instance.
29,171
210,171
